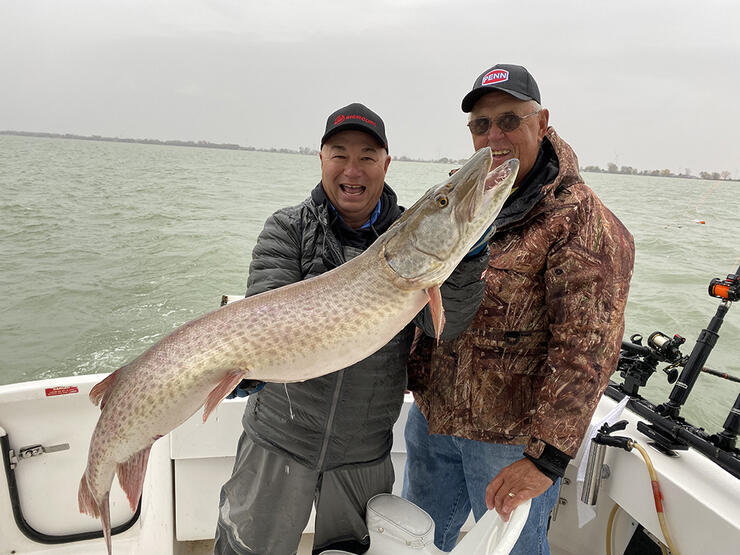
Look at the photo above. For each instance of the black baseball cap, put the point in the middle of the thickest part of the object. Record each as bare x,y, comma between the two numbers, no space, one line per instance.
512,79
358,117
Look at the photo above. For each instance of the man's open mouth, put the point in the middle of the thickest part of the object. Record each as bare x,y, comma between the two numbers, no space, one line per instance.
353,189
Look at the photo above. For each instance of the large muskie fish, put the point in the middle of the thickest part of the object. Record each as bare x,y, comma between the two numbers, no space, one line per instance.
294,333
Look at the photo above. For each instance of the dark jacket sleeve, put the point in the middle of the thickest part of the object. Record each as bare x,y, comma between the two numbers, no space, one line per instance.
461,296
276,258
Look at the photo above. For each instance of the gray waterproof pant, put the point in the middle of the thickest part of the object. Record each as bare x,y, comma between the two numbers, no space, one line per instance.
267,502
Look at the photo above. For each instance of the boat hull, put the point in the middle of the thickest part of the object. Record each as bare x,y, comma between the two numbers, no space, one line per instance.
187,467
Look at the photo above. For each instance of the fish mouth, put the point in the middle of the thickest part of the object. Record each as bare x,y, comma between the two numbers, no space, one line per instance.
486,191
494,190
500,174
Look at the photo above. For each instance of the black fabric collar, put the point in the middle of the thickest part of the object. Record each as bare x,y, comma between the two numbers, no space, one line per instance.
361,238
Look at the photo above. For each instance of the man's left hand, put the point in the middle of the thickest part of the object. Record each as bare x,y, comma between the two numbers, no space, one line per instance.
522,480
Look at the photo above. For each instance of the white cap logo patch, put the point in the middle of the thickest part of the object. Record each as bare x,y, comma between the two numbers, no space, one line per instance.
495,76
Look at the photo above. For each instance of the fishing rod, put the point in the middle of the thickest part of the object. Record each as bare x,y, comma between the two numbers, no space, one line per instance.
723,375
668,430
728,291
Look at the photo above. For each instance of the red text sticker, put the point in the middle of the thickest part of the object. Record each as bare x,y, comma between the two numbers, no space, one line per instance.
53,391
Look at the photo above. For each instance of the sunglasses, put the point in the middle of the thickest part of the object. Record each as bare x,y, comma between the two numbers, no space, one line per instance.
506,122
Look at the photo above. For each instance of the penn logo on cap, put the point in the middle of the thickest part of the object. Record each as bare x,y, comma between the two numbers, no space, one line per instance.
509,78
495,76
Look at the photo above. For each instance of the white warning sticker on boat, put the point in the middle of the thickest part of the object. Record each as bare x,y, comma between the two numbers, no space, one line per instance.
61,390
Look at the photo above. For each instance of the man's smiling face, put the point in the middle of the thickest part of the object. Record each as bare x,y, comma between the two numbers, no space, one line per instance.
522,143
353,167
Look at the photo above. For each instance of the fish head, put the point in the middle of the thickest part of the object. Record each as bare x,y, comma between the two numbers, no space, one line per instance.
429,240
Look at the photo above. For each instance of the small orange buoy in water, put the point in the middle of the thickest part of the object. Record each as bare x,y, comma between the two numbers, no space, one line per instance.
700,221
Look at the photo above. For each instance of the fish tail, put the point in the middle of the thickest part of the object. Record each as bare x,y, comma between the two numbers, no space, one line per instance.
89,505
105,521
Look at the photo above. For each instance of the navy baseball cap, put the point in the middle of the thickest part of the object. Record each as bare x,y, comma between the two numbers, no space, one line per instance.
358,117
512,79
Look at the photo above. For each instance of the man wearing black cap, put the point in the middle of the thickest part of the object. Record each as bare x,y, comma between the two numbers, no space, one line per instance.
501,409
327,440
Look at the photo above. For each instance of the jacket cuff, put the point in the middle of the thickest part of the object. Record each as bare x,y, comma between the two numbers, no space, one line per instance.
549,460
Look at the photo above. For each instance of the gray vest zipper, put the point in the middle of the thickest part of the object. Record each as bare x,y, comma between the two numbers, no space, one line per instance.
330,420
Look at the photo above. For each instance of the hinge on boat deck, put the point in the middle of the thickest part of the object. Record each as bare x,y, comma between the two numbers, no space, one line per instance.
34,451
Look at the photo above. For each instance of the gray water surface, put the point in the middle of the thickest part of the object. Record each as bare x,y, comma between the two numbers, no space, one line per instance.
105,247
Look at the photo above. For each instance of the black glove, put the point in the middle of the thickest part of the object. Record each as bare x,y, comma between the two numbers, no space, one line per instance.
245,388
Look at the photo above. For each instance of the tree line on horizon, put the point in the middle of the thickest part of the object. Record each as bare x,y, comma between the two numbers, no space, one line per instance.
611,167
204,144
687,173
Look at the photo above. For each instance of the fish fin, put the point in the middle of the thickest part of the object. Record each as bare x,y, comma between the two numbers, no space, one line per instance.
86,500
100,393
131,475
438,311
105,521
224,387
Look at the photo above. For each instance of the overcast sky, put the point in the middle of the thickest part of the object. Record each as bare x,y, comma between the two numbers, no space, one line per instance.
650,84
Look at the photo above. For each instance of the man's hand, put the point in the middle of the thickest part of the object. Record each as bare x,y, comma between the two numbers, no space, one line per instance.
246,388
514,485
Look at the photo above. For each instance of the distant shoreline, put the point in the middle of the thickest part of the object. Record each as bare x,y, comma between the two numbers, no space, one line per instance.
611,169
200,144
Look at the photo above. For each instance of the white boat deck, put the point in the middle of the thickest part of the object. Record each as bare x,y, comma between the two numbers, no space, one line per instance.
188,466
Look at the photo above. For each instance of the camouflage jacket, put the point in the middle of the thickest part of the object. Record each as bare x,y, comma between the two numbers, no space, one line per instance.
538,355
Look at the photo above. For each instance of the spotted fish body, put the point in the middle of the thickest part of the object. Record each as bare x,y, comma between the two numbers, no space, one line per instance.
294,333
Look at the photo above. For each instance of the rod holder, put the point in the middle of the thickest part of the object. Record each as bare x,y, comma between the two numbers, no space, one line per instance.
594,473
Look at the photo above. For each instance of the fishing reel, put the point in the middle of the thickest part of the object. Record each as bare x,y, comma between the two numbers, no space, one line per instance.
727,289
668,348
637,362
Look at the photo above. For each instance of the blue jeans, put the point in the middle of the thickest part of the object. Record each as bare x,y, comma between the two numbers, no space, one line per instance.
447,476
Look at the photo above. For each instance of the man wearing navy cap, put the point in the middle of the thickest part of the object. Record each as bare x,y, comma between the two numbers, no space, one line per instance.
327,441
501,409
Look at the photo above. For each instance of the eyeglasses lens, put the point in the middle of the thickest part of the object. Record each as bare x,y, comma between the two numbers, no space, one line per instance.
506,122
479,126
